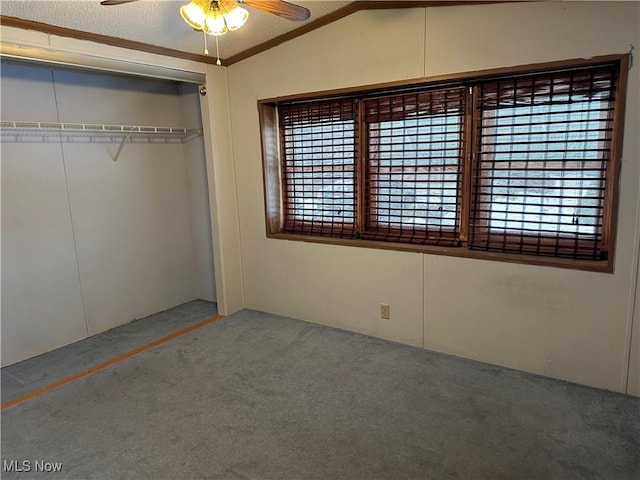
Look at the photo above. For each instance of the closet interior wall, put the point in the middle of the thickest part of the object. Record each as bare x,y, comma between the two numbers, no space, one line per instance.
89,244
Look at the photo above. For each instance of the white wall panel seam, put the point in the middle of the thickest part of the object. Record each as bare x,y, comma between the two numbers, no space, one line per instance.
73,226
633,294
424,294
424,46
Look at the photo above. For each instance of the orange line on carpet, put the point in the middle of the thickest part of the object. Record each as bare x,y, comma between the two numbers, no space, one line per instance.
108,363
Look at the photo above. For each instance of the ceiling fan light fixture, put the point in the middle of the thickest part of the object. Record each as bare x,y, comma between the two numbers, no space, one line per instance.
235,16
194,13
214,23
214,17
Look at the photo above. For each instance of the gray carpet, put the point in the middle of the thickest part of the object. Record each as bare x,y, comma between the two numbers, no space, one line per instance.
256,396
37,372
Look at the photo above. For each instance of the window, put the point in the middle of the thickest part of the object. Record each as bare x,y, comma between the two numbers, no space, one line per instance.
413,149
514,165
319,167
543,147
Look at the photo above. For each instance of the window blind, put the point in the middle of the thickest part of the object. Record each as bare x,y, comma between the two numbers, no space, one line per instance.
318,141
413,149
519,161
543,146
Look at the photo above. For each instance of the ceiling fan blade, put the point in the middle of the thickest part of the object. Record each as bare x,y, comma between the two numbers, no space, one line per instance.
115,2
281,8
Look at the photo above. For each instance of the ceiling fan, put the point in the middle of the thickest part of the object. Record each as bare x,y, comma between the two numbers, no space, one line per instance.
280,8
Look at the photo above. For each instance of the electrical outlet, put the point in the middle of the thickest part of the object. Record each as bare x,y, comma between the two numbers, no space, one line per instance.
385,311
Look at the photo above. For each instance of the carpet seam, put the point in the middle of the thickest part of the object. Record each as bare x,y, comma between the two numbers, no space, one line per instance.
101,366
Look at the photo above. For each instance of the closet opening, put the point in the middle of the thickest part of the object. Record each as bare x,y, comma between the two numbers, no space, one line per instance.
105,203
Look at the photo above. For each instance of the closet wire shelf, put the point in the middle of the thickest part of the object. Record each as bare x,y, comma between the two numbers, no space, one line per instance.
94,130
43,132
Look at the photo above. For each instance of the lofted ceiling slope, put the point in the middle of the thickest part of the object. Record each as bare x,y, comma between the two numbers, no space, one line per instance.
157,23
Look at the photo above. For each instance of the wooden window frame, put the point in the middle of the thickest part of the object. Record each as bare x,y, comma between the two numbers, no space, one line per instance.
273,182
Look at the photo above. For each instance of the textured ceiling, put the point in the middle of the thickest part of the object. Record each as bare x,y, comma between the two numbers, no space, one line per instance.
158,22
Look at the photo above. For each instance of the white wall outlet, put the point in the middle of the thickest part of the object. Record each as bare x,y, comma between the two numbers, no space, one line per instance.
385,311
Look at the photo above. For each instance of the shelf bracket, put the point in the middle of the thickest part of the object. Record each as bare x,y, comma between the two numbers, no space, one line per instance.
124,140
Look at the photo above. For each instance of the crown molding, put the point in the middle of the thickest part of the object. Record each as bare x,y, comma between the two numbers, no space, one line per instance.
7,21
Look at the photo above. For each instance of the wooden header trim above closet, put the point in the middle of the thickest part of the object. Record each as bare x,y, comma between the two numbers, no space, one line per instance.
169,52
6,21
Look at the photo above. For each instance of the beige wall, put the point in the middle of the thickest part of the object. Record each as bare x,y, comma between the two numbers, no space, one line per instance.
566,324
227,250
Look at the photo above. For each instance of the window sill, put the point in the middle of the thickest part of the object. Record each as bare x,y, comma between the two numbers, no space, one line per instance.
603,266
